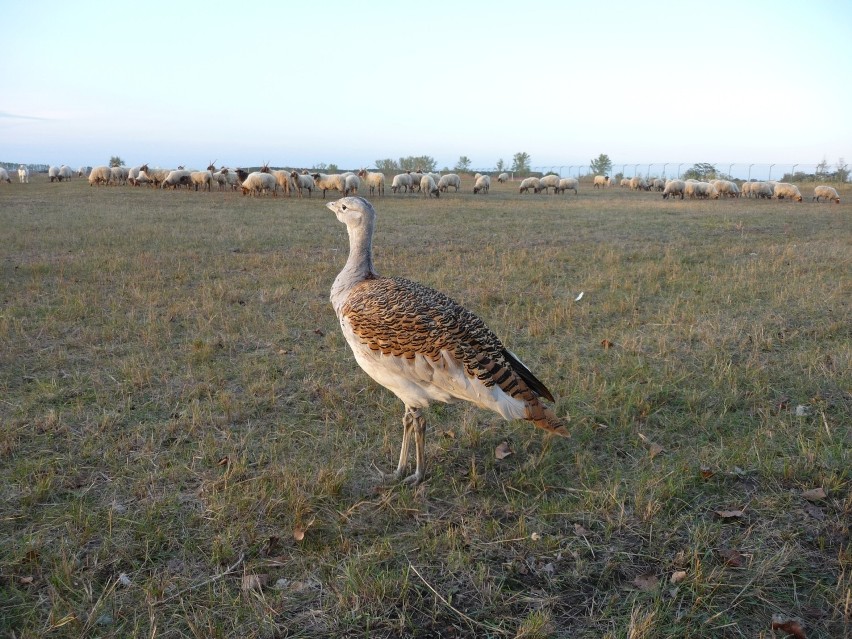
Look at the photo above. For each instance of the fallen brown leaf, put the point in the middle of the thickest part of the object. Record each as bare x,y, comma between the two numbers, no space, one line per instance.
678,576
580,531
729,514
814,494
655,450
223,461
607,344
450,434
732,557
254,582
503,450
790,626
706,472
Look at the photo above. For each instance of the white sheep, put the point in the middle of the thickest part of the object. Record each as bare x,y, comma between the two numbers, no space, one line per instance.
83,171
256,182
416,176
827,192
157,176
303,182
375,181
204,179
448,180
789,191
428,186
326,182
549,181
726,187
674,188
23,174
176,178
140,178
351,184
763,190
282,180
118,174
99,175
4,176
702,190
53,173
625,183
503,178
401,181
529,183
482,184
567,184
637,183
601,182
658,184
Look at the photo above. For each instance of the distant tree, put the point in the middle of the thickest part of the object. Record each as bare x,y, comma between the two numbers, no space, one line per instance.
842,170
116,161
701,171
521,162
417,163
501,165
321,166
601,166
463,164
822,169
387,165
332,168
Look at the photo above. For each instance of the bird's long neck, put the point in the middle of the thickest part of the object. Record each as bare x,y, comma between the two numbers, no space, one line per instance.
359,265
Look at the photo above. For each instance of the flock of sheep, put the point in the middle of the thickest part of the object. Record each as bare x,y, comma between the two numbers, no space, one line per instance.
267,181
715,189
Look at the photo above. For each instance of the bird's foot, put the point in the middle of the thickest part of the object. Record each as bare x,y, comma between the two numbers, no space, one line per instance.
394,477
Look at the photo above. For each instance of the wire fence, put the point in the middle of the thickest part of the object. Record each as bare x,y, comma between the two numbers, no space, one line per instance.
800,172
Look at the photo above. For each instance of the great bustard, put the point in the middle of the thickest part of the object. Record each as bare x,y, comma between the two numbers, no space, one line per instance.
423,346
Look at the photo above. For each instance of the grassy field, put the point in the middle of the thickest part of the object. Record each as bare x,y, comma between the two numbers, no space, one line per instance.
188,448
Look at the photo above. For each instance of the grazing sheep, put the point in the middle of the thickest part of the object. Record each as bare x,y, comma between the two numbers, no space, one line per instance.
448,180
53,173
4,176
566,184
220,178
401,181
351,184
625,183
329,183
728,188
176,178
428,186
674,188
503,178
65,172
529,183
785,190
827,192
257,181
204,179
763,190
658,184
23,174
99,175
549,181
140,178
482,184
416,176
303,182
157,176
637,183
601,181
703,190
375,181
118,174
83,171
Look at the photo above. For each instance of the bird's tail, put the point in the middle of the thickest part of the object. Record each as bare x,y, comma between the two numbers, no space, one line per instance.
543,417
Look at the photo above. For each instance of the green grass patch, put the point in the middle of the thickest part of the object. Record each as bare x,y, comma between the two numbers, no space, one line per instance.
188,448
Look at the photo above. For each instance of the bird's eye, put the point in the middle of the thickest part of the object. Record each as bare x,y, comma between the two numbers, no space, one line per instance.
343,206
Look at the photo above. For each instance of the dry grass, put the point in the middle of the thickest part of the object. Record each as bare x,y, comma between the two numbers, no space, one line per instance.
178,406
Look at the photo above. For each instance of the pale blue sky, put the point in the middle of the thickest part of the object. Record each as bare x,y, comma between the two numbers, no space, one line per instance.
348,83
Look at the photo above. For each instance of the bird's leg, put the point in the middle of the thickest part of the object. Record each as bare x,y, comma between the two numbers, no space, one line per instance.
418,425
407,429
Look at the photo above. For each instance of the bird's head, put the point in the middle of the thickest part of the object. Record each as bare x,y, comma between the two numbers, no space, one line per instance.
354,212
